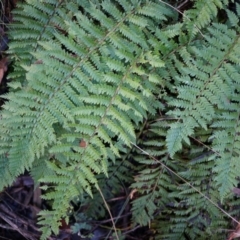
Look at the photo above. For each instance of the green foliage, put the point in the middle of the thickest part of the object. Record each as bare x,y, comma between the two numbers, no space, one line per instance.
94,79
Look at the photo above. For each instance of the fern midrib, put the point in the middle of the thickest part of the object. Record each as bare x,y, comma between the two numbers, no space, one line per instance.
221,62
156,183
78,166
226,55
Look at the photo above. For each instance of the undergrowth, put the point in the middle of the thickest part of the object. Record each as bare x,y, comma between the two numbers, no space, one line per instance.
132,98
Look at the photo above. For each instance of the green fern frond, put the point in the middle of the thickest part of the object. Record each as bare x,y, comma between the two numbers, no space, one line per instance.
190,214
94,82
152,183
33,22
69,83
202,88
201,15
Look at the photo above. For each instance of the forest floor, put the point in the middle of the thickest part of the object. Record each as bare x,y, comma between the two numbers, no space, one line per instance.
19,205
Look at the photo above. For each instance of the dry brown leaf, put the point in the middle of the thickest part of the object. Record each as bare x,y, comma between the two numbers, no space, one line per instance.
3,68
132,193
83,144
235,234
1,74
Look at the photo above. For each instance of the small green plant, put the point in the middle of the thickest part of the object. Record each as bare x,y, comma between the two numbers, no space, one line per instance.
112,93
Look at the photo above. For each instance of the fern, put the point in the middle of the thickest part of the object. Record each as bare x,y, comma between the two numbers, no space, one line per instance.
88,87
207,109
94,80
191,215
33,22
202,88
152,182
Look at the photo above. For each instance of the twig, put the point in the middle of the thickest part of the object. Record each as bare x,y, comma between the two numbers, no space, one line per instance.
178,7
14,216
7,227
16,228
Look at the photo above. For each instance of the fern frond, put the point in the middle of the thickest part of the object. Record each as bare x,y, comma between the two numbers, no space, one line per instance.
192,215
152,183
94,78
71,85
33,22
202,88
